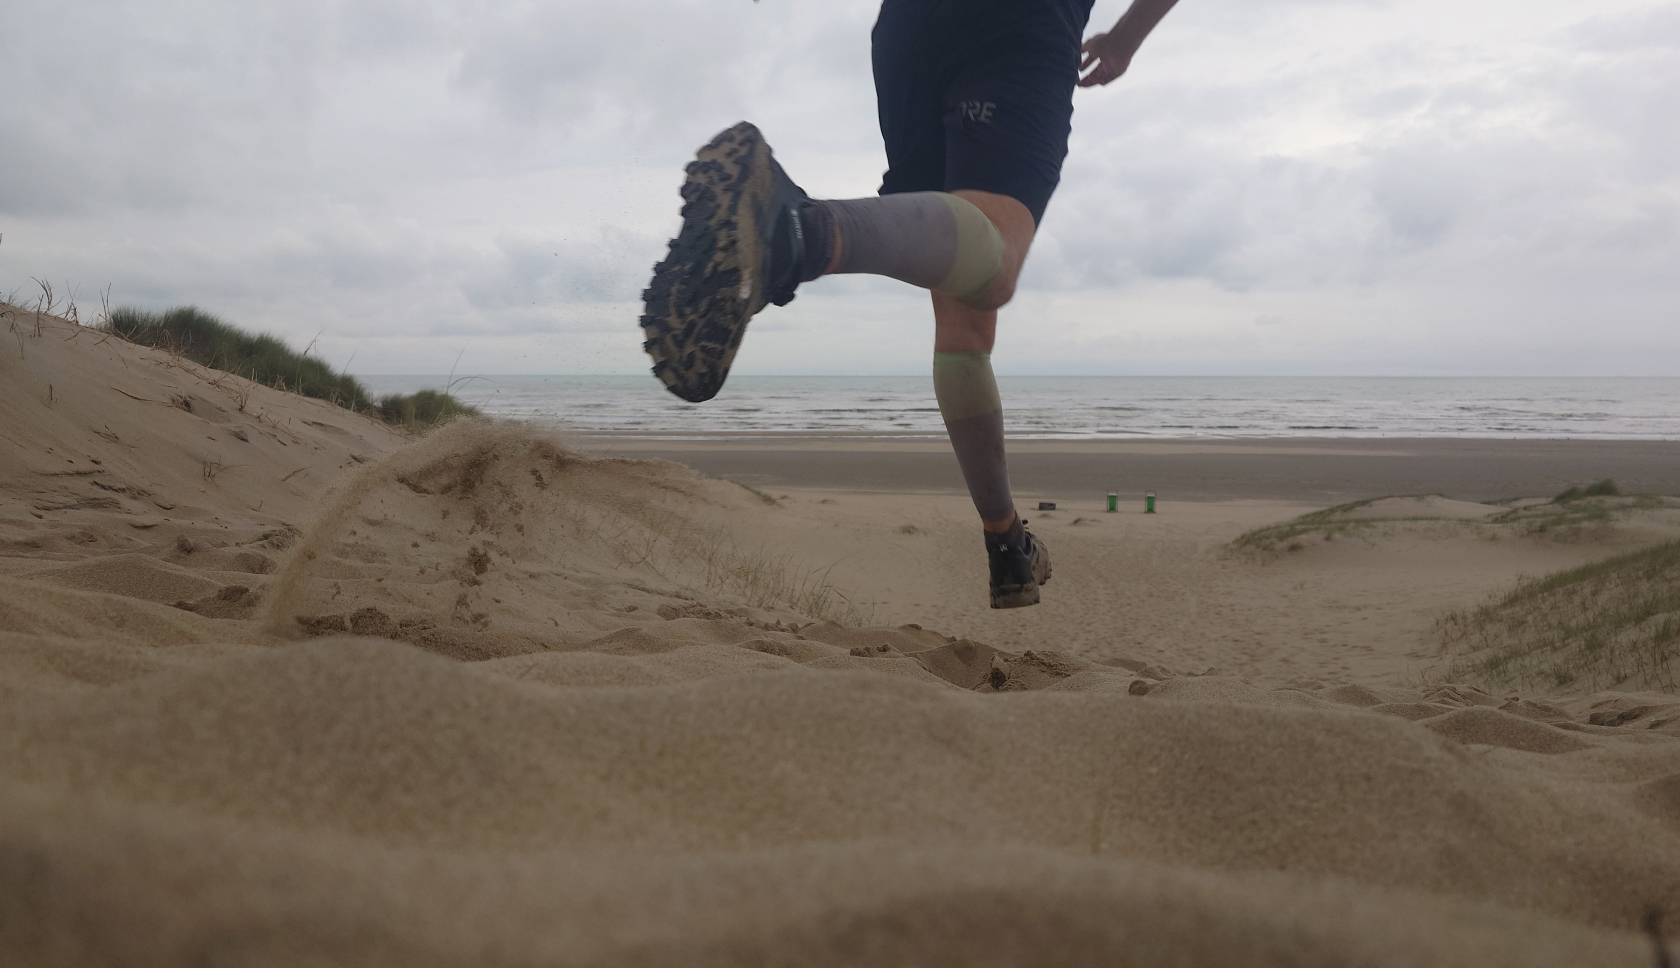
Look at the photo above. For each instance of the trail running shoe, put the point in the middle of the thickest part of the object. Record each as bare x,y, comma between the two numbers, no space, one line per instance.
741,248
1019,563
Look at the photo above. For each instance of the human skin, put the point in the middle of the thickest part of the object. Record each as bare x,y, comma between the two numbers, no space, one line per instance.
970,325
1109,54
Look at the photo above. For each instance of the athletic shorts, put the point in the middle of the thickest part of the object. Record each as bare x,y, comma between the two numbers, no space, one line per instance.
977,94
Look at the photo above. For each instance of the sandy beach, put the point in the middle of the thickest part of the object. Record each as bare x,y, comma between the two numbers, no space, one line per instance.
1311,470
280,685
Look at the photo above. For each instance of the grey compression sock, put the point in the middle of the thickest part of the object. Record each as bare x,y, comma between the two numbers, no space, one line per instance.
968,400
935,240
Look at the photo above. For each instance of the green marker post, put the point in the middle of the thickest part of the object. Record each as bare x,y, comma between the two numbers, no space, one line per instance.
1149,502
1113,502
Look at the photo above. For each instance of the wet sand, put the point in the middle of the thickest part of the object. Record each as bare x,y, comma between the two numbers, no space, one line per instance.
1324,471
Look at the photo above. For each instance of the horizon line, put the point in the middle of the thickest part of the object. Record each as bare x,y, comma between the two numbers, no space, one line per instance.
1151,376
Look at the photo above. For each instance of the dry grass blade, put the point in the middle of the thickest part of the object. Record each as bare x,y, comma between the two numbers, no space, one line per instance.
683,551
767,499
675,546
212,468
46,304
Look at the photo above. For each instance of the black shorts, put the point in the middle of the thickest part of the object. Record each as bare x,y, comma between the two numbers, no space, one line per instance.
977,94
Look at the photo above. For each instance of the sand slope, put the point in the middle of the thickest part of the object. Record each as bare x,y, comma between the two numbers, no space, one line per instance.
487,701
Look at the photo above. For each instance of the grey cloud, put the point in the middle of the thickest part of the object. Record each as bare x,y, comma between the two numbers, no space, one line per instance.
384,28
337,257
1639,30
1239,224
411,175
39,178
1419,193
600,65
657,78
152,108
1553,165
611,268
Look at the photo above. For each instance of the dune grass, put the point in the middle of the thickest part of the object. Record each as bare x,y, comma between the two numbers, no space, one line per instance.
1578,509
1604,488
767,499
685,552
759,577
421,409
207,340
769,580
1325,524
1564,517
1589,627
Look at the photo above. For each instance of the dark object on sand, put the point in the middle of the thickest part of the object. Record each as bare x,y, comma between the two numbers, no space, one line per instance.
1047,505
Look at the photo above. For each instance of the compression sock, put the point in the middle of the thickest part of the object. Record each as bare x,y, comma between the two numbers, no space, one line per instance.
934,240
968,400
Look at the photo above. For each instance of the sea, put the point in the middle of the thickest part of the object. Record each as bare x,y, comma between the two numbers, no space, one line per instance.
1094,407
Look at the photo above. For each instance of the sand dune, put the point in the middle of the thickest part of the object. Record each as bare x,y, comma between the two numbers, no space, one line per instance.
480,699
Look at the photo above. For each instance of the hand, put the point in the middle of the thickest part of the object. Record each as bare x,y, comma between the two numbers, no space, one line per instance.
1111,55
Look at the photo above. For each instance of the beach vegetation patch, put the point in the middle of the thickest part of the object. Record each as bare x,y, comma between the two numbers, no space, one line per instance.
189,333
1569,517
1327,524
641,534
421,409
1587,628
755,492
1604,488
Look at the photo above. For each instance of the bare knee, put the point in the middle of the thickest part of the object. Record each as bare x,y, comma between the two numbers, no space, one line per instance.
961,328
1016,227
998,294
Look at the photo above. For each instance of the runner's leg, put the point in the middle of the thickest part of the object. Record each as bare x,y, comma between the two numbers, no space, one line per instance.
915,238
962,371
975,104
967,244
975,100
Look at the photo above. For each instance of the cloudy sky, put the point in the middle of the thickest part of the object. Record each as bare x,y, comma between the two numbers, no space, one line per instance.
1278,186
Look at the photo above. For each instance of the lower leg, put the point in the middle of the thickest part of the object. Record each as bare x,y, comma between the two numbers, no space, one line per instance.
968,400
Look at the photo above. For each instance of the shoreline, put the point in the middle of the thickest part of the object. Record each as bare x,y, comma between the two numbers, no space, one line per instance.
1324,470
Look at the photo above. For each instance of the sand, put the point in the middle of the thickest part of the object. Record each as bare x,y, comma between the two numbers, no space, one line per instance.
485,698
1314,470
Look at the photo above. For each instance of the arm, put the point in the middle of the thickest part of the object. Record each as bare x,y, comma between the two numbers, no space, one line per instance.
1112,52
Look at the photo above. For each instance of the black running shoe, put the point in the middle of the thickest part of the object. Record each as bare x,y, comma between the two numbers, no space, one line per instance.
741,248
1019,563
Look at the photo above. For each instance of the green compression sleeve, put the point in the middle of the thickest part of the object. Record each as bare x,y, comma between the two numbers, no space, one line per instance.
968,400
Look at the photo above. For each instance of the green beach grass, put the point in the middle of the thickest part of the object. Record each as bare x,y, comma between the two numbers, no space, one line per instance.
209,341
1592,627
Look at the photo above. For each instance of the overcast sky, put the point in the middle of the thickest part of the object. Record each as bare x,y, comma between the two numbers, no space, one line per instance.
1278,186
